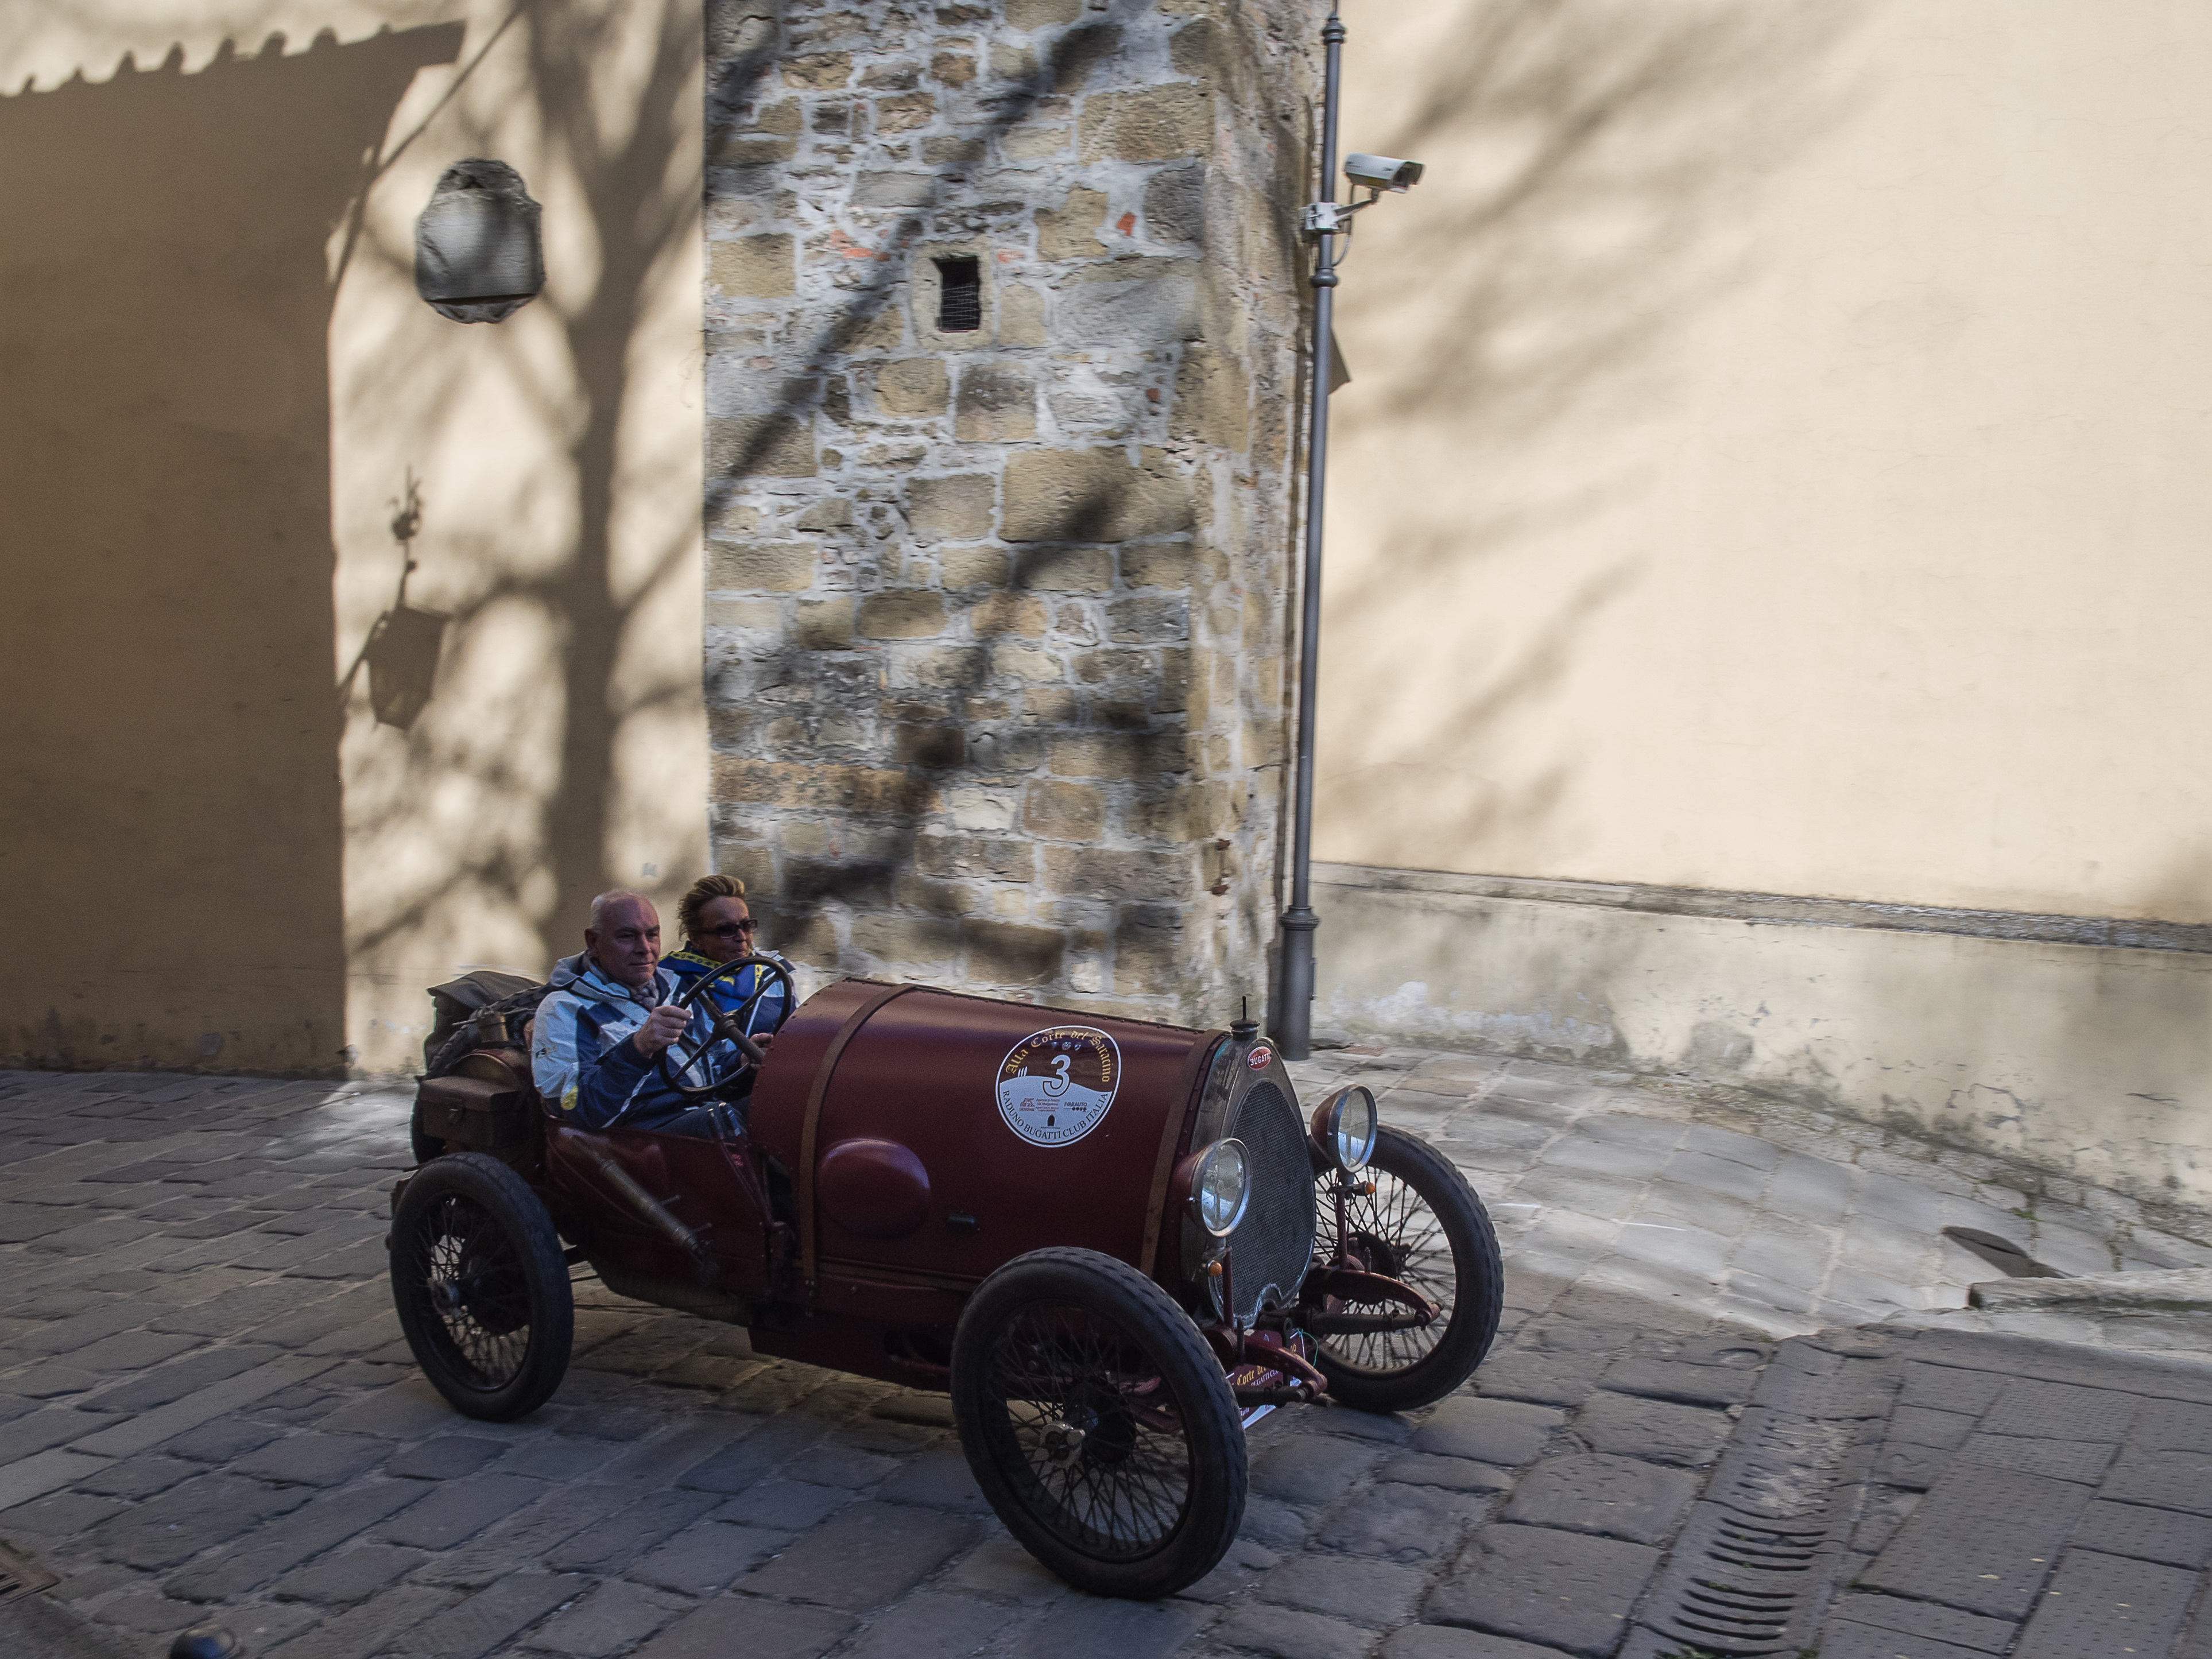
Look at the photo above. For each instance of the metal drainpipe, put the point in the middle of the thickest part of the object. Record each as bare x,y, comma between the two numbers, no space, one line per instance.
1293,1020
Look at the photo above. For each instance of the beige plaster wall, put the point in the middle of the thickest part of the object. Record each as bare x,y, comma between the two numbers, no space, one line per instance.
230,421
1777,453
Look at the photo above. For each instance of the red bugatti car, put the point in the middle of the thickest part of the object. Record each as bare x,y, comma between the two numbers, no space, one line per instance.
1113,1242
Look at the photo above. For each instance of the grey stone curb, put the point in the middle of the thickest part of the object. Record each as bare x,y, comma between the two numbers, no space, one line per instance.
2183,1290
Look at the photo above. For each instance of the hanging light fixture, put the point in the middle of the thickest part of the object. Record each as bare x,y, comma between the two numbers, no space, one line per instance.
478,256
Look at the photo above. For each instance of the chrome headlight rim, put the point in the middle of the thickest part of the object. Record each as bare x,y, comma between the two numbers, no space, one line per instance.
1213,1171
1345,1126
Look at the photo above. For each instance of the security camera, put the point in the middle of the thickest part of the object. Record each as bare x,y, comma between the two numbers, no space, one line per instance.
1382,172
1378,173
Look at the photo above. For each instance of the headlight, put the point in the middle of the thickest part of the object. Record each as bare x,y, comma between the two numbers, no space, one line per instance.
1221,1186
1344,1126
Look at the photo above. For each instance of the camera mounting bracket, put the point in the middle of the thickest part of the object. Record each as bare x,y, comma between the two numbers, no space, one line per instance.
1331,218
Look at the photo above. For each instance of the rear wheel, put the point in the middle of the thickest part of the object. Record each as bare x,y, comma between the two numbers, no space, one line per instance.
481,1287
1098,1423
1423,1226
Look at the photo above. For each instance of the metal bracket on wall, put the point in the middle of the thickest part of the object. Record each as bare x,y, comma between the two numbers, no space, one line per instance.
1219,885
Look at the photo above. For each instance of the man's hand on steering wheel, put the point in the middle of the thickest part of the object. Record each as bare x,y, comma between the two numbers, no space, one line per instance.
662,1027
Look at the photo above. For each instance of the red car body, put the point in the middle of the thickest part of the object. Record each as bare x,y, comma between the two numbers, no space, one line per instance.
908,1155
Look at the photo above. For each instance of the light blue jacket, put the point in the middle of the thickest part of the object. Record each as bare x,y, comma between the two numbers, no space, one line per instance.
580,1055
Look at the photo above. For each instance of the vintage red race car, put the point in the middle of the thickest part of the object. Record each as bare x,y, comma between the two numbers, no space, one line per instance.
1113,1242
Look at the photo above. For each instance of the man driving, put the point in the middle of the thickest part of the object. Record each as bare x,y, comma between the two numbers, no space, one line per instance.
602,1029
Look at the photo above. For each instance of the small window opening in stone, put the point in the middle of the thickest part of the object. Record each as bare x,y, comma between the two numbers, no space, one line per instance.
959,295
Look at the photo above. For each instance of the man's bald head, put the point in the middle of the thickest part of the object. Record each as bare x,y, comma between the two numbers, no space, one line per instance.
615,895
624,937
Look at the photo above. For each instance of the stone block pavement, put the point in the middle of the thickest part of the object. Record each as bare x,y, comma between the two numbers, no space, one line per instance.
206,1412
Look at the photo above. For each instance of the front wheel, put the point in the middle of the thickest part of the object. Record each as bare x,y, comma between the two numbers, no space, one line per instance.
1098,1423
481,1287
1423,1226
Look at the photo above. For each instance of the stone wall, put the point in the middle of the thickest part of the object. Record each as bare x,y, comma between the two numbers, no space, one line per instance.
996,617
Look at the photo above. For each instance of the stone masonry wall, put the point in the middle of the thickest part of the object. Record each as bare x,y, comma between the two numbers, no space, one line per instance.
997,616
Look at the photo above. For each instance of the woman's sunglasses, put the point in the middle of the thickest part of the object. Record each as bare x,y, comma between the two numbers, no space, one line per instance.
730,930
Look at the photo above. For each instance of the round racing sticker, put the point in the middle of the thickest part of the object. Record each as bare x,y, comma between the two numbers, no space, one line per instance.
1056,1085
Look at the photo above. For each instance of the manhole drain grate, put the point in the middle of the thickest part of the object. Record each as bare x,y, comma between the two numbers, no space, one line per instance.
1752,1570
1747,1582
20,1575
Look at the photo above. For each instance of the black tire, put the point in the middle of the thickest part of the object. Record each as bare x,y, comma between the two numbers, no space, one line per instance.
1423,1225
481,1287
1119,1499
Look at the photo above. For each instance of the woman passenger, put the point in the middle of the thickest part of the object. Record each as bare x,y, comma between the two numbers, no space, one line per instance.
718,925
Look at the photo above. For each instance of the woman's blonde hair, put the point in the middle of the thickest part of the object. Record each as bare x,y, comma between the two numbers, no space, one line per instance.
704,892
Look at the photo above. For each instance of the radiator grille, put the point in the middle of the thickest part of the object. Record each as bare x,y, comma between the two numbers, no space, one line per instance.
1272,1246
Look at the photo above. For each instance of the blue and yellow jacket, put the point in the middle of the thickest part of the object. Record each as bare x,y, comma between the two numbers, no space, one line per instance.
689,967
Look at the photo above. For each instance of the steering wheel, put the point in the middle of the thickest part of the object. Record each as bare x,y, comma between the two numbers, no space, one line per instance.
679,1058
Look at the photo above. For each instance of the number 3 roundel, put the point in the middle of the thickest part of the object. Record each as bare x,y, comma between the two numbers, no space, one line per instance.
1055,1085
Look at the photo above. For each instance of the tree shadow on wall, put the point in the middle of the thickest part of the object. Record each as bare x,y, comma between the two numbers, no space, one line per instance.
636,173
1601,156
817,730
631,163
540,842
167,493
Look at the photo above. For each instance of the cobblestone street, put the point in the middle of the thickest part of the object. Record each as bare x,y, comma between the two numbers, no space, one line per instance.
209,1412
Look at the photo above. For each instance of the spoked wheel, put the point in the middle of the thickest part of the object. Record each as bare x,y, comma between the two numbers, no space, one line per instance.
1423,1226
1098,1423
481,1287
